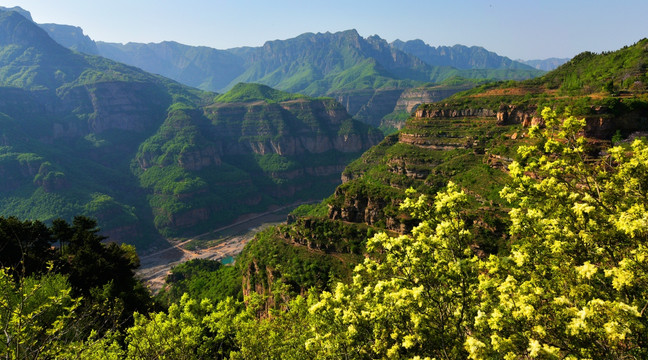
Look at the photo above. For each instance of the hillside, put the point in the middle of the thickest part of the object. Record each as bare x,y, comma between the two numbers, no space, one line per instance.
470,139
147,156
251,148
608,90
507,221
198,66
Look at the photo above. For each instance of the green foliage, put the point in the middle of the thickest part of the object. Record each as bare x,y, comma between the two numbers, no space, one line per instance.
270,256
202,279
622,70
572,286
26,246
37,316
255,92
390,309
319,209
189,330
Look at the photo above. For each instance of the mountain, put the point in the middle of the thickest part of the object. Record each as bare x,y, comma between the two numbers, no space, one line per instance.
71,37
545,64
323,63
469,138
458,56
366,75
250,148
146,156
26,14
197,66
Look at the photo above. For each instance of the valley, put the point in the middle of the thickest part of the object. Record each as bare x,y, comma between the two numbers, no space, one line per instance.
325,196
228,243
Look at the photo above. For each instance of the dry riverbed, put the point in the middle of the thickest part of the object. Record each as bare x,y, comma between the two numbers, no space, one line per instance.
222,244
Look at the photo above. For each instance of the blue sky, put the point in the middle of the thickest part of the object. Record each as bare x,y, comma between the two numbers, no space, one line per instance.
526,29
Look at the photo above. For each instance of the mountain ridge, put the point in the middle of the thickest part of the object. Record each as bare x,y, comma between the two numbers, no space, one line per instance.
458,56
147,156
367,78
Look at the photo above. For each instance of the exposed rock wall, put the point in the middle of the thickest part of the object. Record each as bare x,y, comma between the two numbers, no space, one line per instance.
454,113
412,98
369,106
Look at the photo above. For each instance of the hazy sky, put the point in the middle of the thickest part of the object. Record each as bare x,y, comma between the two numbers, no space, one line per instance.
526,29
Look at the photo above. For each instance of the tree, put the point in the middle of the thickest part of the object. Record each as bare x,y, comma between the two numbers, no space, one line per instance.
25,246
415,298
37,316
575,283
102,273
191,329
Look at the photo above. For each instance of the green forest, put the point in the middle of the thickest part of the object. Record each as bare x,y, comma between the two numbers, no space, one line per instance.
569,284
508,221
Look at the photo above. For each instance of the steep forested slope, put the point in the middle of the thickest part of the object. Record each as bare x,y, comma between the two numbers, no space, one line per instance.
86,135
253,147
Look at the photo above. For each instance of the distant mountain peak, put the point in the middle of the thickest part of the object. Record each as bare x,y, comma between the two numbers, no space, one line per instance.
15,29
26,14
545,64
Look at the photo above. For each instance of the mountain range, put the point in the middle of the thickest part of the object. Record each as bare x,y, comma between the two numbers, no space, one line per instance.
545,64
149,157
367,75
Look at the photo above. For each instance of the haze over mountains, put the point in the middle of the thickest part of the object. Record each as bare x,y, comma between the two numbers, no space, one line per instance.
367,75
545,64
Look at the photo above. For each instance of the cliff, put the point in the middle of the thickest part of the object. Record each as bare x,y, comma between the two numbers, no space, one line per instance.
251,148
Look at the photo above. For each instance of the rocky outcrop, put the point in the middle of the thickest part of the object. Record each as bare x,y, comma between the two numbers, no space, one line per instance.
412,98
360,208
454,113
603,123
190,218
197,159
290,128
124,106
380,104
435,142
511,114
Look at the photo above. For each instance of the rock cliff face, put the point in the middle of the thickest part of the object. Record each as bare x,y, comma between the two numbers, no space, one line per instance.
412,98
369,106
271,152
434,147
290,128
454,113
601,122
